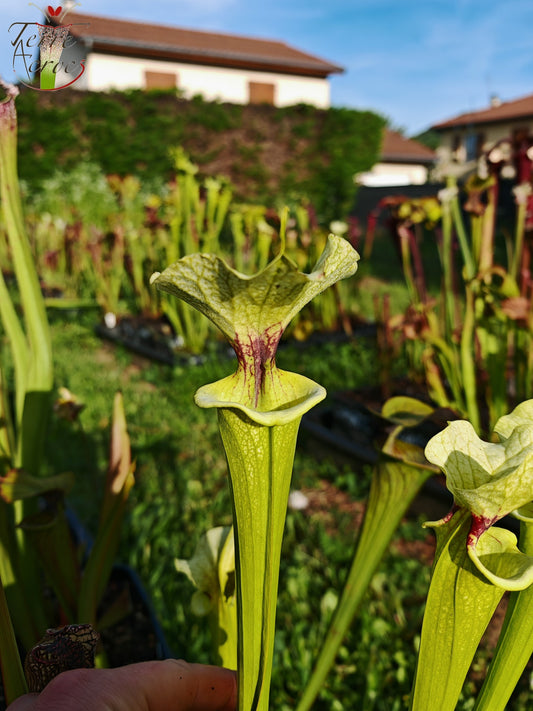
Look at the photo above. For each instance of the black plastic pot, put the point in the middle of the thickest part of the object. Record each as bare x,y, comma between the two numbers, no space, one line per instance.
346,428
141,618
135,637
143,340
155,340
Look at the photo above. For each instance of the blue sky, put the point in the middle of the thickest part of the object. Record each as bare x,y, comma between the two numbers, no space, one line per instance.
417,62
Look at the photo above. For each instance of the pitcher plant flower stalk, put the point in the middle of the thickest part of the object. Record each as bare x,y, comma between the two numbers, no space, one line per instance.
466,391
521,194
476,562
259,411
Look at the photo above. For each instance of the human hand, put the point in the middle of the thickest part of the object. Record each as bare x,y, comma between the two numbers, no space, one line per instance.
170,685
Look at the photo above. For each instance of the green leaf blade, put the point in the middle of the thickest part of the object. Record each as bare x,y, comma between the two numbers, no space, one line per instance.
459,606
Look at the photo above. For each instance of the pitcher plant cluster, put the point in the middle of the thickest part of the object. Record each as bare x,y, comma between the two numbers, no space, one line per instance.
474,340
259,409
475,561
97,239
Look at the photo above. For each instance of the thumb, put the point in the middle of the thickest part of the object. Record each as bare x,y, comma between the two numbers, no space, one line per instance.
147,686
28,702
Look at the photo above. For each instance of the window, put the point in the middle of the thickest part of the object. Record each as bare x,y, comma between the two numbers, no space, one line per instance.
160,80
456,147
474,145
260,93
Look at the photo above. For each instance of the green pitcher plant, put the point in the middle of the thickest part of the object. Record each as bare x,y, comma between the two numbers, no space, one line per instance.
197,214
476,562
473,343
399,474
35,539
22,428
259,411
515,643
212,571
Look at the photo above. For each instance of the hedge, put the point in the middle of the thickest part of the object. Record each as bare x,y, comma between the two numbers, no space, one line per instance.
269,154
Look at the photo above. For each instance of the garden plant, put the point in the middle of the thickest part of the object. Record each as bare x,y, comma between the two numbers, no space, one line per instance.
98,239
488,481
35,539
474,343
259,408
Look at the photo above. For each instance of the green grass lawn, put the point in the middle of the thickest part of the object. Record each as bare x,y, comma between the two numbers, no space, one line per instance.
181,491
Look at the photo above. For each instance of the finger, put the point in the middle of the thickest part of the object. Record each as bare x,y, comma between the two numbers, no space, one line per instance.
175,684
170,685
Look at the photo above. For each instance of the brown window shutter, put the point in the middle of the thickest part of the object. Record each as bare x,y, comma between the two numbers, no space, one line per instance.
260,92
160,80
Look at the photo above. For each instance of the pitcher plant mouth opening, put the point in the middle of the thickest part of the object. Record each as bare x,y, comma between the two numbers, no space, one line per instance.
298,395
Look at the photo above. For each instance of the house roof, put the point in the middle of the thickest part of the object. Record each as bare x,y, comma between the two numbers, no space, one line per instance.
398,149
508,110
141,39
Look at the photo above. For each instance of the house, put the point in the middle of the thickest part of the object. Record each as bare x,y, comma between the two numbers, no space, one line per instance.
468,136
402,162
403,170
122,54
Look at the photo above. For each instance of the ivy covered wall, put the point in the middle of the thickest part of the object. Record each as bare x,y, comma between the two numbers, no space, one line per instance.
269,154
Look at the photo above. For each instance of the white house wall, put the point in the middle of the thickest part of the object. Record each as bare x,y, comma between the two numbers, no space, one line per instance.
389,174
105,72
492,133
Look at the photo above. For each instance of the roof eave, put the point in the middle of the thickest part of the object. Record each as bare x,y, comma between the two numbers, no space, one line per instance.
205,57
473,121
408,159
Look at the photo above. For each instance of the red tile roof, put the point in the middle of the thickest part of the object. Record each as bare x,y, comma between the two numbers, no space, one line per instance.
398,149
518,109
106,34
